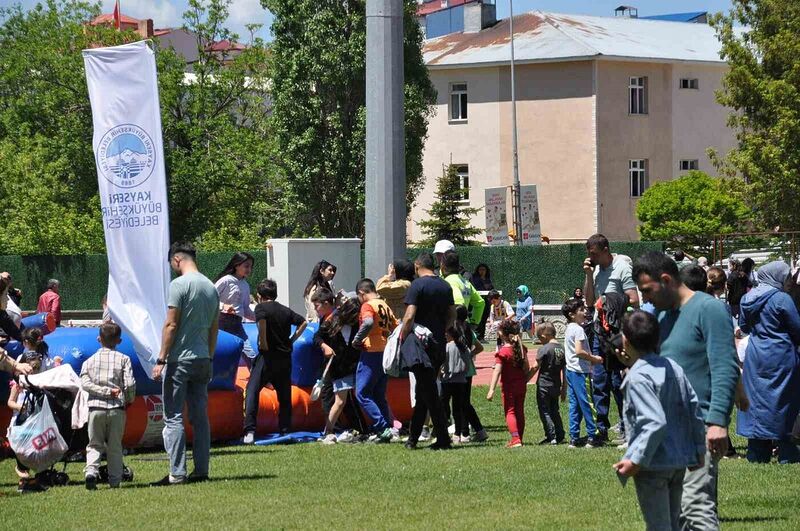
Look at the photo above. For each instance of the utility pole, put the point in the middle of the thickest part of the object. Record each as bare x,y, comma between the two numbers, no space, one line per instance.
385,209
516,196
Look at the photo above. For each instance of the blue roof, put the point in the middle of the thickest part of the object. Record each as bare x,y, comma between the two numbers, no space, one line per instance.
678,17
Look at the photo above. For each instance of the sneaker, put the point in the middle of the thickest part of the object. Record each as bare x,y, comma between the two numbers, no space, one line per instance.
373,438
425,435
440,446
249,438
197,478
329,439
345,437
617,428
623,446
515,442
554,442
594,443
91,482
544,441
480,436
385,436
451,429
168,481
466,439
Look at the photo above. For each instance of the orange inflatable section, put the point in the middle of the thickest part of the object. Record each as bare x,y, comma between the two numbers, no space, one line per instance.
308,415
145,419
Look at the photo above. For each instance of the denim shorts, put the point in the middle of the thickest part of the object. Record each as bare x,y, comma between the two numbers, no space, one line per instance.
344,384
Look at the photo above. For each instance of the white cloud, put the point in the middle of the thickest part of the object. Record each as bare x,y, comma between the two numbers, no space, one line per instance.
247,11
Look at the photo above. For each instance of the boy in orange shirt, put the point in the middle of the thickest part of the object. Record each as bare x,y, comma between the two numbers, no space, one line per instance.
376,322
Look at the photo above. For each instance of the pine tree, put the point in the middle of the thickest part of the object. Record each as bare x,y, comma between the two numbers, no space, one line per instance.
449,217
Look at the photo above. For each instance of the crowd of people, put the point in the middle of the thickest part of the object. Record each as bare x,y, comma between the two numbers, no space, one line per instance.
675,344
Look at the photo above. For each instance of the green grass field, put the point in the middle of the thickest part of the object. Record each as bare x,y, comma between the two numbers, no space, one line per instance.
388,487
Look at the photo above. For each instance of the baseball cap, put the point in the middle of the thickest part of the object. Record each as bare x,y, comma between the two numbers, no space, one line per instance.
442,246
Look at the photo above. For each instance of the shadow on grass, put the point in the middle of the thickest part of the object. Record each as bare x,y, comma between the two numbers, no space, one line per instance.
212,479
750,519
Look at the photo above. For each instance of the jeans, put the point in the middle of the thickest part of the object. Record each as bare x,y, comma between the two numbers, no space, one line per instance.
760,451
106,427
604,384
547,402
186,383
579,390
278,372
458,392
427,400
371,384
699,500
659,493
232,324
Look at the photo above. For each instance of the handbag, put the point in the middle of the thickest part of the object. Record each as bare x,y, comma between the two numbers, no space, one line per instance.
36,440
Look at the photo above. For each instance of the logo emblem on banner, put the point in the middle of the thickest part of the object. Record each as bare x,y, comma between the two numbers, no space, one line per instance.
126,156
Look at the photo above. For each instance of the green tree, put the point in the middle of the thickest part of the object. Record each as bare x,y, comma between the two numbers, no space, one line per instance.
319,116
217,147
688,211
762,88
449,217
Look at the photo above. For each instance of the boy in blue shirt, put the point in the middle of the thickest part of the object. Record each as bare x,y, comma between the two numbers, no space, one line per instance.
665,430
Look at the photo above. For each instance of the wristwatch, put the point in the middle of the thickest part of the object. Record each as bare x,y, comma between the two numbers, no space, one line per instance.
161,362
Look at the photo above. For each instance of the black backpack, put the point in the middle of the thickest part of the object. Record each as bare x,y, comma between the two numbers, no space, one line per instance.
610,308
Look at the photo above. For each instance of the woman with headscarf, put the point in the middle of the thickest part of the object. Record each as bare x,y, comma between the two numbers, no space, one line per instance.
524,311
771,374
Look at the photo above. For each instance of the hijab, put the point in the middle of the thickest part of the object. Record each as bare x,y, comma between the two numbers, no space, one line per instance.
524,291
771,276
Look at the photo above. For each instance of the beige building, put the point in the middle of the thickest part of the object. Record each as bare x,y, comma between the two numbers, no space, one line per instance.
605,108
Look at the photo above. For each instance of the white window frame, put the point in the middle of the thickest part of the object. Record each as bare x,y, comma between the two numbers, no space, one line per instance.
463,179
638,179
689,165
637,95
459,91
687,83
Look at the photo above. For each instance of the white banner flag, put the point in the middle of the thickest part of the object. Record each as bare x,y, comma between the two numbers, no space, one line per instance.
531,226
496,218
129,154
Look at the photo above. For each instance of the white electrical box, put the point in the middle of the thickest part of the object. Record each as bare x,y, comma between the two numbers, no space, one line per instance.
291,260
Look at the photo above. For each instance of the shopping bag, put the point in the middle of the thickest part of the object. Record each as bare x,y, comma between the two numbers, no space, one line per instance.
36,441
391,354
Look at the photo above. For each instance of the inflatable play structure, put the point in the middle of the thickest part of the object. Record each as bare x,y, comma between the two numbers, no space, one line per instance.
226,389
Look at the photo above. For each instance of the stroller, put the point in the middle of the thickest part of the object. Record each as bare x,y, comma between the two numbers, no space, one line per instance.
59,387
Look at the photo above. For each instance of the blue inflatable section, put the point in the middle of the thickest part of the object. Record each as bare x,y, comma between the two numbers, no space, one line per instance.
306,358
76,345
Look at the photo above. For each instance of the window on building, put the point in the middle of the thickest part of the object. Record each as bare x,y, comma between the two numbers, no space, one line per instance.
458,102
463,177
637,172
687,83
688,165
637,90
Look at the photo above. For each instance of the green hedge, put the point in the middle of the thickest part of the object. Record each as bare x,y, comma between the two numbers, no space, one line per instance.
550,271
84,279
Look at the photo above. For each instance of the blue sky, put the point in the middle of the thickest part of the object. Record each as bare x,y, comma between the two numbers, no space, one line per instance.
167,13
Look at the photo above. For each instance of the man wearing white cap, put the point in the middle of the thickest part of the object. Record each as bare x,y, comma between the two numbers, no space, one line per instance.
441,247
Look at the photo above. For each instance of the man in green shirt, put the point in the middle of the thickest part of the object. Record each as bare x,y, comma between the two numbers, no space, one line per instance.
697,333
185,362
463,292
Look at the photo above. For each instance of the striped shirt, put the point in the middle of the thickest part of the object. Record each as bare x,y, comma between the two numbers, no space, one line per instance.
105,371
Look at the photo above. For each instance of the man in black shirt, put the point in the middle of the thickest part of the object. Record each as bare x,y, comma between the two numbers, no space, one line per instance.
551,364
274,361
430,304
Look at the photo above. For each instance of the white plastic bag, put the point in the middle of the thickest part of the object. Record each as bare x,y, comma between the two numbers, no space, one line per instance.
36,441
391,354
